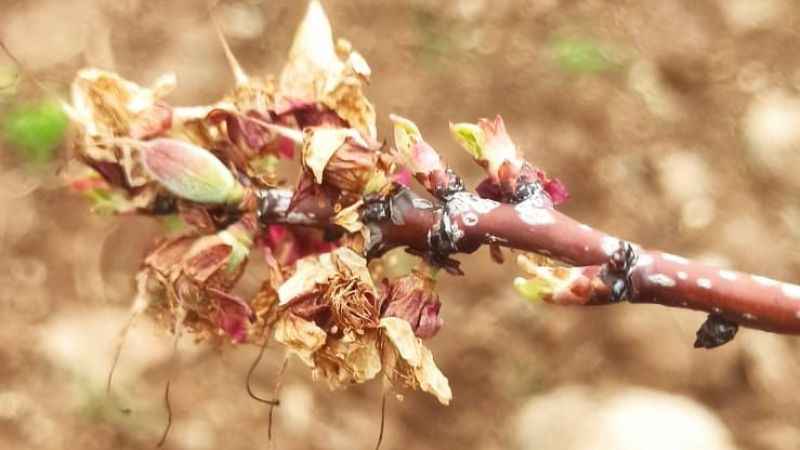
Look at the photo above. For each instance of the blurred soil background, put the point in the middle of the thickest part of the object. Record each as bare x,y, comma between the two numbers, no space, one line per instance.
675,124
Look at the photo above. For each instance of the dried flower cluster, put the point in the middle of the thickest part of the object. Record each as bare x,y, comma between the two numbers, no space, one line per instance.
327,295
212,164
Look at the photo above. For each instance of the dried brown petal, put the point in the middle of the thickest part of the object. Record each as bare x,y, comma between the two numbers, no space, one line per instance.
412,365
351,359
301,336
316,73
413,299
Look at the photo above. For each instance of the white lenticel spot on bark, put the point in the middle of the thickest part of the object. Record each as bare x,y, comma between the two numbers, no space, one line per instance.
791,290
764,281
533,215
704,283
727,275
644,260
609,245
661,280
675,258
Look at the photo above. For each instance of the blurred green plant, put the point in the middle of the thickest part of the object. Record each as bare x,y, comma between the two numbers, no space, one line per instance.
35,130
582,55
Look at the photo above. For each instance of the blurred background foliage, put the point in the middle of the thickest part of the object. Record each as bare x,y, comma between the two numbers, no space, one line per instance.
674,124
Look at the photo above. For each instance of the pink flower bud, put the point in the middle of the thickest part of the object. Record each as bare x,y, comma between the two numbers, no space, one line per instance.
190,172
416,154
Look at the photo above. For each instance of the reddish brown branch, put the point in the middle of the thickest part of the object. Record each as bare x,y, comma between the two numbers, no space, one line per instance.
656,277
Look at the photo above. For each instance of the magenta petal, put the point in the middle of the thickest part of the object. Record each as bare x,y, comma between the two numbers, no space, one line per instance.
285,148
489,189
233,315
429,321
557,191
402,177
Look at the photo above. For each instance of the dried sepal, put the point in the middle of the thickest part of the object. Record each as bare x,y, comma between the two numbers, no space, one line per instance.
105,107
349,218
346,96
312,58
407,362
358,170
105,104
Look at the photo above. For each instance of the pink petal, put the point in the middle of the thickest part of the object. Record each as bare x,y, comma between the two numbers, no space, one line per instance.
557,191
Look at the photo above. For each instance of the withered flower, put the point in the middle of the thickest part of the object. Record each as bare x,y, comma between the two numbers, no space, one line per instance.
195,274
335,290
340,158
106,107
413,299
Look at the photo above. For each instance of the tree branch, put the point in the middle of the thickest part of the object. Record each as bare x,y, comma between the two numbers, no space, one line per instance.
656,277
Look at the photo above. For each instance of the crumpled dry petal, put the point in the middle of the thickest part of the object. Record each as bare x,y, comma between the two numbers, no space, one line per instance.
413,299
316,72
354,358
319,145
195,273
409,363
302,337
335,290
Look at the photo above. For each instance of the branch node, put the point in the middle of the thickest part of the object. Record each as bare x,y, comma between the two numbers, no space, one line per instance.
617,272
530,189
452,184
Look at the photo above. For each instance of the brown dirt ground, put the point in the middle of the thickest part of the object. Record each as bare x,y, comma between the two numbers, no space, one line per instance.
690,73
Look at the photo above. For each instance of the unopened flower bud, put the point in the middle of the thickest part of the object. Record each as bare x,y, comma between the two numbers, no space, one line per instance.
417,154
471,137
534,289
489,144
190,172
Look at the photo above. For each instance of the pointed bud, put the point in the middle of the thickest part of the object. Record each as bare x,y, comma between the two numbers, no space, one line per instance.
417,155
490,145
471,137
534,290
562,285
190,172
